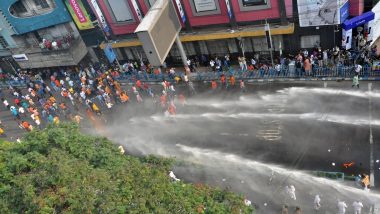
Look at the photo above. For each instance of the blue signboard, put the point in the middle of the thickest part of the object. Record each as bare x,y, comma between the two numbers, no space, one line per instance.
359,20
344,12
108,51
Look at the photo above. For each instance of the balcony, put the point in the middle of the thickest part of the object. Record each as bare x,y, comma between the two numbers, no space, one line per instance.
67,54
25,19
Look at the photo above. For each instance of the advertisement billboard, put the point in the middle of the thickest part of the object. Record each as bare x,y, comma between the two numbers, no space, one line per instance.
100,17
79,14
162,21
318,12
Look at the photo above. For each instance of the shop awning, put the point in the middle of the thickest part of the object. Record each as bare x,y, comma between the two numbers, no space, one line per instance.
358,20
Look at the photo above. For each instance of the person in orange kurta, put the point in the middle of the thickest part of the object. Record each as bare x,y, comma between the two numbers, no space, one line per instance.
124,97
307,66
232,81
223,79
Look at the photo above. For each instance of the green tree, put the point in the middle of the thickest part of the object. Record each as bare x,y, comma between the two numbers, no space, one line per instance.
60,170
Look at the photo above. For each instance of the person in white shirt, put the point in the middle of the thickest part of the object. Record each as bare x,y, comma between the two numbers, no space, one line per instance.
172,176
317,202
212,65
6,104
342,207
291,191
357,207
358,68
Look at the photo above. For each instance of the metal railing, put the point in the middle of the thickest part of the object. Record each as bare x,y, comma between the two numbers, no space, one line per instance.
283,73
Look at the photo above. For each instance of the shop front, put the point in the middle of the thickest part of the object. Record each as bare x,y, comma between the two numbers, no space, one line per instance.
357,31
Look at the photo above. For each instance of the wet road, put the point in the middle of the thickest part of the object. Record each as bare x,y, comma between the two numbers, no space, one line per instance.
236,139
256,143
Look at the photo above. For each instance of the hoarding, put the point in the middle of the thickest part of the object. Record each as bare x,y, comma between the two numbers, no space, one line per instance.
160,22
79,14
318,12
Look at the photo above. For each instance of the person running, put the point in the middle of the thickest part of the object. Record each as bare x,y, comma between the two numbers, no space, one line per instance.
357,207
291,191
355,81
342,206
317,202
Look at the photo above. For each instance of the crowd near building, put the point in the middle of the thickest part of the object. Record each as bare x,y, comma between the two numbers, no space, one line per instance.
39,34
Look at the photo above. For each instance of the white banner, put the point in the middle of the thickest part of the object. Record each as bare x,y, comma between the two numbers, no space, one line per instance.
20,57
137,10
100,17
180,9
318,12
205,5
347,39
229,8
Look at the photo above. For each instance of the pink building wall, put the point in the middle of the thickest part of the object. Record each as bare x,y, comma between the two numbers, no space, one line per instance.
119,28
221,18
356,7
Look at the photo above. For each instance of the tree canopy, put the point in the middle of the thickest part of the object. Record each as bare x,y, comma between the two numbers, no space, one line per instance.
60,170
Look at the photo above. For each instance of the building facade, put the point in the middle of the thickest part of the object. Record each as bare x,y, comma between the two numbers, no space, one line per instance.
42,34
235,27
210,27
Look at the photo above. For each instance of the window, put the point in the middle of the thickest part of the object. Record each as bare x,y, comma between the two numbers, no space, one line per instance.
310,41
42,3
204,7
19,7
120,10
150,3
3,42
248,5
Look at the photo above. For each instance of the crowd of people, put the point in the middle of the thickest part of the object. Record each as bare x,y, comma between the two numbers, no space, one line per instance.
305,62
76,94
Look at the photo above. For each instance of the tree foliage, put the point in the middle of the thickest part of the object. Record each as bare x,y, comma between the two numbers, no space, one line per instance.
60,170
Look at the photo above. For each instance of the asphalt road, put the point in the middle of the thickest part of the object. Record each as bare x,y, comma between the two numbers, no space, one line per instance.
257,142
235,140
